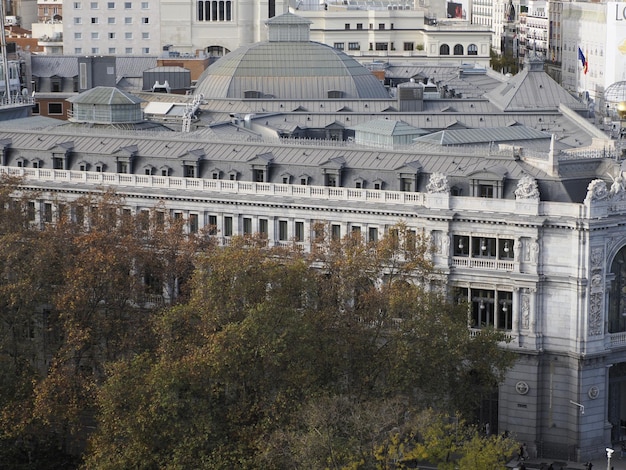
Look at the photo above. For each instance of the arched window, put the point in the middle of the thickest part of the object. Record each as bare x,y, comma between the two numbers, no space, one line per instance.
444,49
458,49
617,294
472,49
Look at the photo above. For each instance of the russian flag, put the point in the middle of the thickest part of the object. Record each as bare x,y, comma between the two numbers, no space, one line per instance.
583,60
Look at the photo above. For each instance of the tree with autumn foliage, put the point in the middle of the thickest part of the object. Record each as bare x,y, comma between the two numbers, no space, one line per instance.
283,359
73,297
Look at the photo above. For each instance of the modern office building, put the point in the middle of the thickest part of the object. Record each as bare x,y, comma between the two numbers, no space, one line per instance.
523,198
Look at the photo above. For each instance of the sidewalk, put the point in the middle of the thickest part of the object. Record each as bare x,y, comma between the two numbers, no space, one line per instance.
543,464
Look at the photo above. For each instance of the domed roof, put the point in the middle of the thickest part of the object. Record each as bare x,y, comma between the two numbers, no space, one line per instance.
615,93
289,66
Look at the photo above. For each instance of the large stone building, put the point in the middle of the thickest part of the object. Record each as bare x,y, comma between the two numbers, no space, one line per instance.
523,199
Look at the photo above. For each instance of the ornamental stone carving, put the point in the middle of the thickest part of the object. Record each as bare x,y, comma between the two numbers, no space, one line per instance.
596,191
525,302
527,188
437,183
595,314
617,191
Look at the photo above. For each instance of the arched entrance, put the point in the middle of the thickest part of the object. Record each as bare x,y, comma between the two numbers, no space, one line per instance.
616,413
617,402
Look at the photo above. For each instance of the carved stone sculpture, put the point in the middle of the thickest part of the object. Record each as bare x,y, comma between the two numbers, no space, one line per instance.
438,183
527,188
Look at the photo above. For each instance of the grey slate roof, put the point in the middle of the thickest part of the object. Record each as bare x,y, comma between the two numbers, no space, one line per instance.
50,66
475,136
532,90
388,127
289,70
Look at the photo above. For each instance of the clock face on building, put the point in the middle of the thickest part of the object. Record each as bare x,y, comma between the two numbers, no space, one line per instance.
522,387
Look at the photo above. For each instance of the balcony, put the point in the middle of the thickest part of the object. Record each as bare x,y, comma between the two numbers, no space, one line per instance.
482,263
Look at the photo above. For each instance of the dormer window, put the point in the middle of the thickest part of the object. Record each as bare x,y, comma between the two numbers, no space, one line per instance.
189,171
488,184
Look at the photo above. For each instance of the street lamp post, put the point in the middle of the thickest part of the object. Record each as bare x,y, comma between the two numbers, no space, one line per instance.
609,453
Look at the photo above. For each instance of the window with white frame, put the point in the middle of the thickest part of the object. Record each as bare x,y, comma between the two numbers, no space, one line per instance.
111,20
488,307
93,5
94,20
247,226
145,35
228,226
95,35
78,20
112,50
95,50
128,35
112,35
145,5
128,20
145,50
111,5
78,50
282,230
78,36
299,231
128,50
145,20
476,246
77,5
128,5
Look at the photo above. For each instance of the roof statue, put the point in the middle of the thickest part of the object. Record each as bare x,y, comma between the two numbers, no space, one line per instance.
596,191
509,11
527,188
617,191
438,183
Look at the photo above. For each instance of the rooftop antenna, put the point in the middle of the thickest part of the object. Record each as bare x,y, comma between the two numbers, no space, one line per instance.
3,52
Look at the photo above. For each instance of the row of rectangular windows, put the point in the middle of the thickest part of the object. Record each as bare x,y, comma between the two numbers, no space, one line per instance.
379,46
111,35
110,5
110,20
484,247
227,227
110,50
359,26
480,246
190,171
487,308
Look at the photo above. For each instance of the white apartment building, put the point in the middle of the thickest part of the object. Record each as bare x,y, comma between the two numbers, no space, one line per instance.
599,30
396,31
114,27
